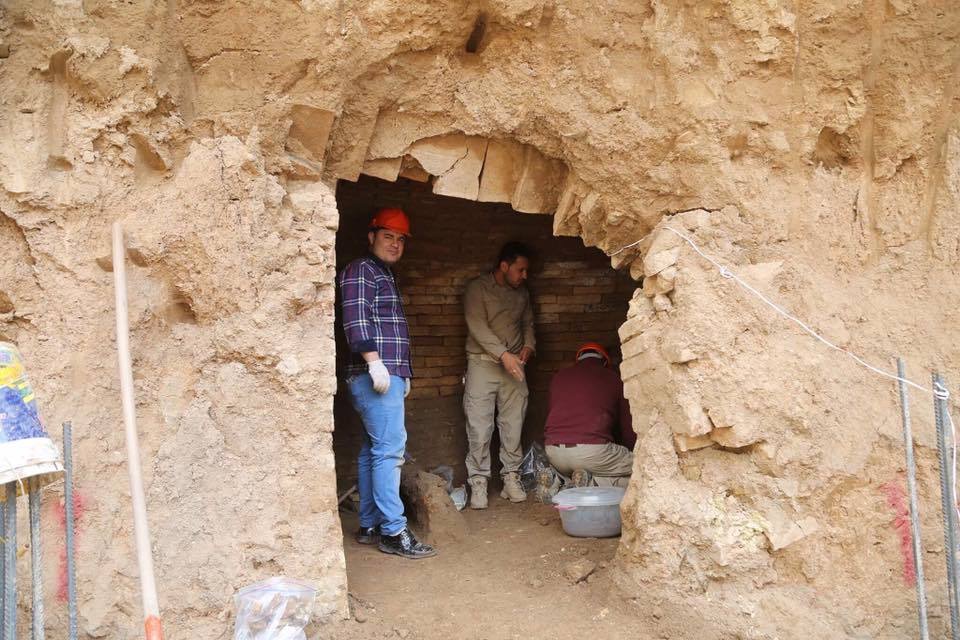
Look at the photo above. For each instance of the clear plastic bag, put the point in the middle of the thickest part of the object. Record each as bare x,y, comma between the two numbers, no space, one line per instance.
459,497
534,461
274,609
445,471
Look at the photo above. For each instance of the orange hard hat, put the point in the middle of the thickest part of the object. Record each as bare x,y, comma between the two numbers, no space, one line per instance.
596,347
393,219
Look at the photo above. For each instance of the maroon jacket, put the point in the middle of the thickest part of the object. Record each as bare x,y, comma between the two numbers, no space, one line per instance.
587,407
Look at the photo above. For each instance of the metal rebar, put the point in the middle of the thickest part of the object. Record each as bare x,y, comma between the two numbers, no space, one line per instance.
36,562
3,557
69,526
914,509
10,565
948,501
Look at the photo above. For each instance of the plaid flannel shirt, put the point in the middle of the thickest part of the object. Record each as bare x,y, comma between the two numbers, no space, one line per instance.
373,317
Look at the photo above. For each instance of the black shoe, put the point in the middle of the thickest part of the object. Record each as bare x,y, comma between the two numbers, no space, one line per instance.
368,535
406,545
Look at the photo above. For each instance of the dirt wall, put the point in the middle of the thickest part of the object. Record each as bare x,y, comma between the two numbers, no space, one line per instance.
820,140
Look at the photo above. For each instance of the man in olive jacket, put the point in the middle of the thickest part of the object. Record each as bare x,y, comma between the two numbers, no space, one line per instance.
500,341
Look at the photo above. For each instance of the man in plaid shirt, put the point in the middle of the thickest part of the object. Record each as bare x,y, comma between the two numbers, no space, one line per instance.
378,376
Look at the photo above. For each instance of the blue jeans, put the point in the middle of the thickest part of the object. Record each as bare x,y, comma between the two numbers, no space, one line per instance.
381,454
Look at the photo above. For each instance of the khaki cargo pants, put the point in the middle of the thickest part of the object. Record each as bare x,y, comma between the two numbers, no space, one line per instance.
490,393
609,463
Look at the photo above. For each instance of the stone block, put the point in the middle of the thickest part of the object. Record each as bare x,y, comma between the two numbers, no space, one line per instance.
641,364
682,442
429,506
501,170
438,154
383,168
660,240
660,250
310,127
566,218
412,170
396,130
653,285
635,389
635,324
538,186
695,419
348,148
677,353
734,429
633,347
462,180
667,278
662,303
654,263
733,438
781,530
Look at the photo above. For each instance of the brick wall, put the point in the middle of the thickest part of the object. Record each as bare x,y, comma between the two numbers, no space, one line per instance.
576,295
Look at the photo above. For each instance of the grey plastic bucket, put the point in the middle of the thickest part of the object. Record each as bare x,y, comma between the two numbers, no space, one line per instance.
590,512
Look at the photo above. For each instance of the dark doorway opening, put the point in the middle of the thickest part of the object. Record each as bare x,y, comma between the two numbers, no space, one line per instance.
576,295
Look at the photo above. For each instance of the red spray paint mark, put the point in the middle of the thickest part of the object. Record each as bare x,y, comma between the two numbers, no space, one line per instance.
79,507
897,499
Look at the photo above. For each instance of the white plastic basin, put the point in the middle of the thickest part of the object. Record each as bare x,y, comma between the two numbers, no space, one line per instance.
590,512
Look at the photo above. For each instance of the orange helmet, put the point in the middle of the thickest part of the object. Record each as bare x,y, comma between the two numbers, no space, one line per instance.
595,347
393,219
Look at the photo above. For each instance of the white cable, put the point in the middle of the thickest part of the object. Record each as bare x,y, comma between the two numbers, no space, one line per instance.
632,244
726,273
938,390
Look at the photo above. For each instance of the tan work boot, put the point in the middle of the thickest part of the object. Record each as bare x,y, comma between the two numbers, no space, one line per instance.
478,492
581,478
548,484
512,489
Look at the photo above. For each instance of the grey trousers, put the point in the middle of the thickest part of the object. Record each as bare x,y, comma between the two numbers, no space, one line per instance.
490,391
609,463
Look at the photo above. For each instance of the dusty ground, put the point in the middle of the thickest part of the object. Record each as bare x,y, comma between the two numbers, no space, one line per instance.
506,580
812,147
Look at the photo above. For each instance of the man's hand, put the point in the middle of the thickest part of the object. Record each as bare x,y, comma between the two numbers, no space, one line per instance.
406,387
513,365
525,354
379,375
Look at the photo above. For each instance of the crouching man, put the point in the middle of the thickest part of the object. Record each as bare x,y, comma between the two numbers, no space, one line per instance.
378,376
589,434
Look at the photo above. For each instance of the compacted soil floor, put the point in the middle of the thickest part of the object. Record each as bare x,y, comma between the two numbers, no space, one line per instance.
516,575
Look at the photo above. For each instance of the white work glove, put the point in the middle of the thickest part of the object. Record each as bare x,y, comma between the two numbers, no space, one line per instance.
379,375
406,387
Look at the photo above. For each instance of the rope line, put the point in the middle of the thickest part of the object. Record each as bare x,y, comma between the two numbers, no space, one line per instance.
938,390
729,275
